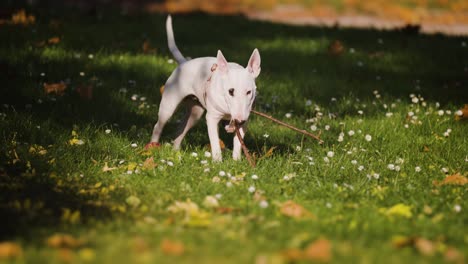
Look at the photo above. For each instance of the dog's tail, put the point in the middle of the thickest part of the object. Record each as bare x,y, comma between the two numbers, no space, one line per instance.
171,42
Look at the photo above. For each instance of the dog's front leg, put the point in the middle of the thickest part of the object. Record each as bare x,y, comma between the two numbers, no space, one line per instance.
212,123
236,150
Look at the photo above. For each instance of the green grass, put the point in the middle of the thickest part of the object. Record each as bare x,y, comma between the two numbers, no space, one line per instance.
65,190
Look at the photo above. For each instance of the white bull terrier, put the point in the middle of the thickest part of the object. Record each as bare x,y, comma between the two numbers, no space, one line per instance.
225,89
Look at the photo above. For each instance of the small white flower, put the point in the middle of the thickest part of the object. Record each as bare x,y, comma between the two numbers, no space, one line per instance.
134,97
170,61
360,112
82,74
204,162
406,126
229,184
222,173
391,166
448,112
206,170
354,162
326,159
397,168
330,154
129,172
91,56
446,134
417,169
134,145
207,154
308,103
457,208
376,175
266,135
411,113
121,162
459,113
286,178
328,205
351,133
143,99
254,177
360,168
298,148
288,115
340,138
218,196
194,154
389,114
170,163
327,127
333,99
42,74
263,204
440,112
313,127
445,170
415,100
251,189
107,131
368,137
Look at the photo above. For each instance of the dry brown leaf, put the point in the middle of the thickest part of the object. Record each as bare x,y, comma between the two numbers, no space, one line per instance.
85,91
293,255
57,88
464,114
336,48
147,48
453,255
294,210
425,247
455,179
225,210
64,241
66,255
161,89
53,40
140,245
173,248
149,164
20,18
319,250
426,149
10,250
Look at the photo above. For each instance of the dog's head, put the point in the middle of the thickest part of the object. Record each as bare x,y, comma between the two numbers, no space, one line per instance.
238,84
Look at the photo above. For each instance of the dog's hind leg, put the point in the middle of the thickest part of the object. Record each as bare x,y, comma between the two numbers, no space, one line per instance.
169,102
194,113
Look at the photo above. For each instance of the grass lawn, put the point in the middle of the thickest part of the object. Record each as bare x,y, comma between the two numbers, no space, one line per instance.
76,184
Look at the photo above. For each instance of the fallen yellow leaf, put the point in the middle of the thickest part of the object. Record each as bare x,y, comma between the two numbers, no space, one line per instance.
9,250
64,241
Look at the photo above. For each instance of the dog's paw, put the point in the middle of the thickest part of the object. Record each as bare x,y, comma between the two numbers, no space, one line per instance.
152,145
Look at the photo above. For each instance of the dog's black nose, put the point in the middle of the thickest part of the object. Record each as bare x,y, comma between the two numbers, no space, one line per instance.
239,122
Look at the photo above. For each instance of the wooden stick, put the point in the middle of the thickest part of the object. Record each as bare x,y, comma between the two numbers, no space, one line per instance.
288,126
244,147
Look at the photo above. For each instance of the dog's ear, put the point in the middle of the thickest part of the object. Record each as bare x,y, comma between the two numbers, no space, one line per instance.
221,62
254,63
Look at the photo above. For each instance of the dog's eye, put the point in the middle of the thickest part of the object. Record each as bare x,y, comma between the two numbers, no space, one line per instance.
249,92
231,92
